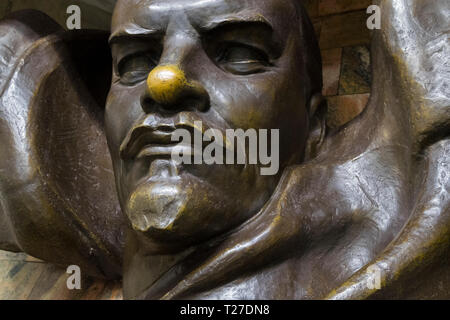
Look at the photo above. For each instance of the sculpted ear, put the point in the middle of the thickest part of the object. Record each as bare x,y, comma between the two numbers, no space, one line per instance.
317,125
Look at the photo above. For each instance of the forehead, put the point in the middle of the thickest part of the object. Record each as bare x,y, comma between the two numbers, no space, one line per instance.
156,14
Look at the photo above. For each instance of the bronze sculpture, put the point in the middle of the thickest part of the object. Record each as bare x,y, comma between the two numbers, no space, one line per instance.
374,193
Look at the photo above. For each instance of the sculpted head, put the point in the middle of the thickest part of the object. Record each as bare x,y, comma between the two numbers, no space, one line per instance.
230,64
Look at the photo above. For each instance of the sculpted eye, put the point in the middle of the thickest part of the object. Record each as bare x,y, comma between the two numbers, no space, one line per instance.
135,68
242,59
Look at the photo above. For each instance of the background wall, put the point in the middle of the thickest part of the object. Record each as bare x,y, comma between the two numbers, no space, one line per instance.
345,45
344,40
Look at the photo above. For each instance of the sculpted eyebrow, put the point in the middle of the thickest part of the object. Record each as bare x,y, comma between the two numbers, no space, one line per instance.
243,17
256,33
216,25
133,32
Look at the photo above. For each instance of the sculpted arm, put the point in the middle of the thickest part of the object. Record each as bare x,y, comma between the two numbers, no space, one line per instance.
56,181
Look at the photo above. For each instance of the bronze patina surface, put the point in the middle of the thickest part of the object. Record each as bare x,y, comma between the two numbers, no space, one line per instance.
372,195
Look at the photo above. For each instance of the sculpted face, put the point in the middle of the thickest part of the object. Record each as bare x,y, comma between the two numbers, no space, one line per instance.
229,64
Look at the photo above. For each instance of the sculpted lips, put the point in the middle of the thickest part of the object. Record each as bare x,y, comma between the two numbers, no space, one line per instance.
153,137
151,141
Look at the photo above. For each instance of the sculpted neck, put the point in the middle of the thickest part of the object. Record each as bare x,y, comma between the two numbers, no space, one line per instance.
150,276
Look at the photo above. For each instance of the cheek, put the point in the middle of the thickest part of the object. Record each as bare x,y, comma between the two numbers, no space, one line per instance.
268,100
273,100
122,110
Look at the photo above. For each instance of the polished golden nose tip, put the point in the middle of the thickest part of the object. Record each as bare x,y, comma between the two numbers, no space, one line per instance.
166,84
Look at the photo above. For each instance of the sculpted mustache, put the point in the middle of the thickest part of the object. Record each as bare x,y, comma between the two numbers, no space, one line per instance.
144,134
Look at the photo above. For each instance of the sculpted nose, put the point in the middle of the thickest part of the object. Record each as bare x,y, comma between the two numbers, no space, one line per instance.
168,87
166,84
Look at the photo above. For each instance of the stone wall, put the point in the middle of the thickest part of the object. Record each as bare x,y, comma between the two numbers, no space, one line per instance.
345,44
